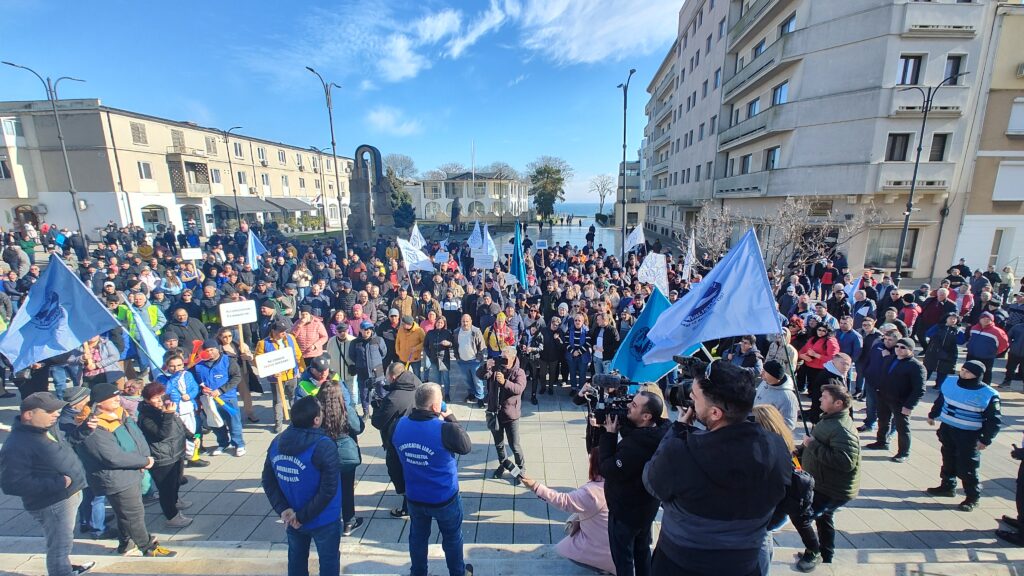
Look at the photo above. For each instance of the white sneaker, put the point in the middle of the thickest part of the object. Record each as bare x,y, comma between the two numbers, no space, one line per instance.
239,452
179,521
216,451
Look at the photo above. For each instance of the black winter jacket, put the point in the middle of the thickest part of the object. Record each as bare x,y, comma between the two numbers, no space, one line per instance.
622,466
903,382
33,464
109,467
325,459
164,432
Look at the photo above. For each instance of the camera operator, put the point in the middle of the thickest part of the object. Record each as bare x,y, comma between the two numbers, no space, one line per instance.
505,382
720,485
631,510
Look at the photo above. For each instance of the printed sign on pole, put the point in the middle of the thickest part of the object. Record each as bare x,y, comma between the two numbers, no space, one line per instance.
237,313
542,244
191,253
275,362
483,262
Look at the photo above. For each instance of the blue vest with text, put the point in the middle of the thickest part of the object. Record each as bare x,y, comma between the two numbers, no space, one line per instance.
299,480
431,472
963,408
215,376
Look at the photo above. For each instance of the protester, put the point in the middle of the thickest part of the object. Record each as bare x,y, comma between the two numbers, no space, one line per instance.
282,384
343,425
165,434
776,389
901,388
387,411
505,384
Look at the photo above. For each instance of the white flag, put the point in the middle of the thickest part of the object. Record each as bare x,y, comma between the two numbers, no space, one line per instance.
489,242
416,238
691,256
654,270
414,258
511,279
476,237
635,238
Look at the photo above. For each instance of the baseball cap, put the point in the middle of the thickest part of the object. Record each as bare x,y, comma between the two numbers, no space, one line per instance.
408,319
320,364
366,325
44,401
394,312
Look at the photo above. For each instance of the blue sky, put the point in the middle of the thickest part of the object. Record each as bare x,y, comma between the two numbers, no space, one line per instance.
520,77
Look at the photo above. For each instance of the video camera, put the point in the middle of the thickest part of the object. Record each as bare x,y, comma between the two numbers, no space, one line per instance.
680,395
619,392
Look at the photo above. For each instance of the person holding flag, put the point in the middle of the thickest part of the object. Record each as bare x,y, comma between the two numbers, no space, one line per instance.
183,390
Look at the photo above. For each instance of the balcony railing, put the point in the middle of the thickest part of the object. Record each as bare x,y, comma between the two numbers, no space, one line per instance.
775,119
754,13
934,176
765,61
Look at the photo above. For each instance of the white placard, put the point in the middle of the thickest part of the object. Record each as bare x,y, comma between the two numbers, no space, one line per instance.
542,244
441,257
191,253
236,313
479,253
483,262
271,363
508,249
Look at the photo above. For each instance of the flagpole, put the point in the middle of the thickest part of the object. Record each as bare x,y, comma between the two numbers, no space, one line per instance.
127,330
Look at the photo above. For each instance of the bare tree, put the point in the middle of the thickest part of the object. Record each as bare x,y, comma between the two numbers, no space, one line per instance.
445,171
404,166
712,230
557,163
502,170
602,185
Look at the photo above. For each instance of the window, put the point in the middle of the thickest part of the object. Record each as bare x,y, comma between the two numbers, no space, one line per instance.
302,183
1008,179
897,147
329,164
215,176
739,63
298,159
211,145
721,28
909,70
884,245
700,132
753,107
284,181
281,157
316,184
696,58
686,40
704,90
758,49
707,169
745,162
700,17
12,127
780,94
238,150
954,64
265,178
5,170
771,158
243,178
713,125
145,171
788,25
696,173
315,162
707,44
178,139
1015,126
261,153
938,149
139,133
718,78
732,167
691,63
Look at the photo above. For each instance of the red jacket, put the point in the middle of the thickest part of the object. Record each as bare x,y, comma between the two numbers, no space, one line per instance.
826,347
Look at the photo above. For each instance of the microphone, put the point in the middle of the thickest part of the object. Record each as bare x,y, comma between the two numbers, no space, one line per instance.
514,471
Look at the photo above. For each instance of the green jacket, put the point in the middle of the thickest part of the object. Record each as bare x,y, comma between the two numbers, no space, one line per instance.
833,457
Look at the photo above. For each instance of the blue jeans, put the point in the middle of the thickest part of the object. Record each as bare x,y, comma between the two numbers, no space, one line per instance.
92,513
871,405
233,425
328,542
602,366
416,368
467,369
442,377
58,521
577,369
60,377
449,521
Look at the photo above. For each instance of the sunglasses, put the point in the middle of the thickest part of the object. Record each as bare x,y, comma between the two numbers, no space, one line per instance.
902,346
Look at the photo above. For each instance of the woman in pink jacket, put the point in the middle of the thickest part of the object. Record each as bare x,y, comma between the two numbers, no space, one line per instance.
589,544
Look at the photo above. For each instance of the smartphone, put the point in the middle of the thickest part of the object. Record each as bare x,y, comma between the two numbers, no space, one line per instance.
444,407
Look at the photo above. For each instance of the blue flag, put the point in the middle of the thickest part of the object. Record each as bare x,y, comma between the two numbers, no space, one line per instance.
518,260
58,314
733,299
629,360
150,350
254,249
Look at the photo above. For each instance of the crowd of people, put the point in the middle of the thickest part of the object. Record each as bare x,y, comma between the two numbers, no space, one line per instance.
373,342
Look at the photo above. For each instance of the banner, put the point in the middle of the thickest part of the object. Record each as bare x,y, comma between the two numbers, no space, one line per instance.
414,258
654,270
254,249
734,299
416,238
629,359
691,257
489,242
518,267
476,237
635,238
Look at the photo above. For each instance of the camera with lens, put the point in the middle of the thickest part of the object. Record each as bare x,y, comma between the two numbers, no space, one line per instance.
680,395
615,398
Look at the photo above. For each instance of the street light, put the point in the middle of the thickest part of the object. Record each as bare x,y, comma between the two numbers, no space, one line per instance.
231,170
927,97
625,100
328,86
323,196
51,95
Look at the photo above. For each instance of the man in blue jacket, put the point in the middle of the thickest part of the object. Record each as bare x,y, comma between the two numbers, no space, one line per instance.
39,465
218,376
301,478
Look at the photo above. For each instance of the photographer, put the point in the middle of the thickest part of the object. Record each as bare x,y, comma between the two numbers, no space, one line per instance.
719,485
631,510
505,382
531,345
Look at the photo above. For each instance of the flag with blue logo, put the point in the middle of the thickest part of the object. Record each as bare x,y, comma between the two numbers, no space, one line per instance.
254,249
58,314
413,258
629,359
150,350
476,237
416,238
518,259
735,298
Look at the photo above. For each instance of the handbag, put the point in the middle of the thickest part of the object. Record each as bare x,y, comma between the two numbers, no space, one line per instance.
492,421
213,417
572,524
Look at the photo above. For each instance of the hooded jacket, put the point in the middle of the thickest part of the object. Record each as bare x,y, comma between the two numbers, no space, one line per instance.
782,395
33,464
622,465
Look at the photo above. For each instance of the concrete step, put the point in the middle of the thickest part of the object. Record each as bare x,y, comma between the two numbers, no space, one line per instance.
26,555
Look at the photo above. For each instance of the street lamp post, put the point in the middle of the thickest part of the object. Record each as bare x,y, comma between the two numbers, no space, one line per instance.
51,95
625,100
927,97
323,196
328,86
231,169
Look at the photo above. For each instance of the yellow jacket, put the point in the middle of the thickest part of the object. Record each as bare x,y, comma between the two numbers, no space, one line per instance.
269,345
409,343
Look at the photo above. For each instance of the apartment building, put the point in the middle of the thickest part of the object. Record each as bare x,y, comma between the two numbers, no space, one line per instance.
821,99
483,196
683,116
992,230
635,208
133,168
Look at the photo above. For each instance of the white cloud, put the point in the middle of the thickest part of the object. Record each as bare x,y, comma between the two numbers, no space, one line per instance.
392,121
517,80
490,20
400,60
367,85
434,27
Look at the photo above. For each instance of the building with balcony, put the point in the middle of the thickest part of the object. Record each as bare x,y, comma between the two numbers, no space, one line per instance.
683,115
131,168
635,208
992,229
483,196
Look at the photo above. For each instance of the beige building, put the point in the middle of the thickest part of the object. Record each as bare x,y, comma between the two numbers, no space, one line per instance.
819,99
992,230
636,210
482,196
131,168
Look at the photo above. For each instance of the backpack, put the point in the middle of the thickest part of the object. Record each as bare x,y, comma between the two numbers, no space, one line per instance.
799,495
